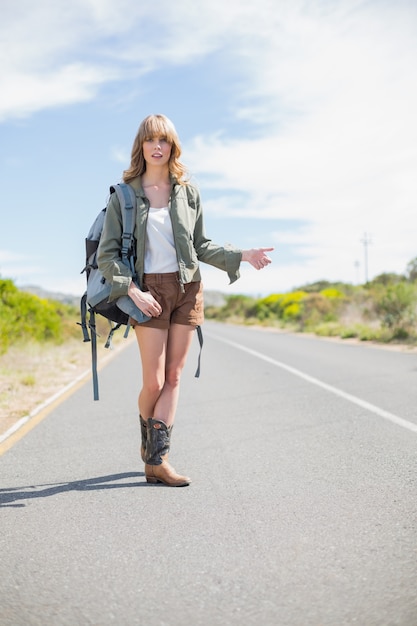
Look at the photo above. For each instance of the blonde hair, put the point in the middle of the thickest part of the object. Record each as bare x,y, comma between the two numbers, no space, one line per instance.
156,126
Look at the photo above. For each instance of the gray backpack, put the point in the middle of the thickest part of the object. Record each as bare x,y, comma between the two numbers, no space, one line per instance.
95,299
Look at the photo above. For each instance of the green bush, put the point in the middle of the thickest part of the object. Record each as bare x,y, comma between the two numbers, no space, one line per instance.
328,329
382,310
269,308
396,306
278,306
24,317
331,293
291,305
412,270
236,307
316,308
361,332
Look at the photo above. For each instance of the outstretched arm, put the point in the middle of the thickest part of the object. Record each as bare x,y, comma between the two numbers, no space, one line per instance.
257,257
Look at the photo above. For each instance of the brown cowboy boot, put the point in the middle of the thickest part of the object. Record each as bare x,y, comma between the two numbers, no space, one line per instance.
157,468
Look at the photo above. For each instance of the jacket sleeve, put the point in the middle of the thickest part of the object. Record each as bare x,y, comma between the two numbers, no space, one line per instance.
108,254
227,257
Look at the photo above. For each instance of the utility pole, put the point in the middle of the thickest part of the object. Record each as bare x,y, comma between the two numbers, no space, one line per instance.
366,242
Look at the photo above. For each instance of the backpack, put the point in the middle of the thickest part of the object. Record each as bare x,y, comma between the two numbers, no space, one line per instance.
95,298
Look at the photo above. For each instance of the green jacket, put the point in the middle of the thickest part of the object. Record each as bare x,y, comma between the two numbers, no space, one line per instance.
191,243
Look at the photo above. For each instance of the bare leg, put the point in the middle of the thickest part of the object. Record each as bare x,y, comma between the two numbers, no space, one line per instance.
152,347
163,354
179,342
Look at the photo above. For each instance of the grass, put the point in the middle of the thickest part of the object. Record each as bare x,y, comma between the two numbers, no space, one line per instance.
32,373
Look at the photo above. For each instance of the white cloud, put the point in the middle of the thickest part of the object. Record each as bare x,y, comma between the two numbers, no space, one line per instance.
338,142
57,53
26,93
61,54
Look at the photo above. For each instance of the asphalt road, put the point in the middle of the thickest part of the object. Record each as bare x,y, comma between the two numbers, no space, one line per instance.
302,510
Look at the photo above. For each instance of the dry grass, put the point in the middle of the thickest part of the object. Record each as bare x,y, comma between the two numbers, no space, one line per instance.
30,375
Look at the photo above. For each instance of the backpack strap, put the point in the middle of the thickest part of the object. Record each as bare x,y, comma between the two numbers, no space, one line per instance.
92,324
192,204
200,341
127,200
83,312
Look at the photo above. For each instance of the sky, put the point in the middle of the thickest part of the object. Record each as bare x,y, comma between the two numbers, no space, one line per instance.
297,121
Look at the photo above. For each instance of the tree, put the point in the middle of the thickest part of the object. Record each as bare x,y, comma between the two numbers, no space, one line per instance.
412,270
387,278
396,306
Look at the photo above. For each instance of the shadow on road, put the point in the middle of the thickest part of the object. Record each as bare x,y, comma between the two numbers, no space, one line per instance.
11,497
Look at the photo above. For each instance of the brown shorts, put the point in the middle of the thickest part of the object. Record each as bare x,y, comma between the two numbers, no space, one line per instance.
178,307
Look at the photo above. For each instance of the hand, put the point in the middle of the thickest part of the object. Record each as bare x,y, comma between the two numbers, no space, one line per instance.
145,301
257,257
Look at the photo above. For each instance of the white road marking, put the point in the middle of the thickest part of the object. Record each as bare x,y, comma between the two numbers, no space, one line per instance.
395,419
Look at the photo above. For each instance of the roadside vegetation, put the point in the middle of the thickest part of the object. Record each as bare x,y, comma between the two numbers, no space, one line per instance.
26,318
383,310
41,350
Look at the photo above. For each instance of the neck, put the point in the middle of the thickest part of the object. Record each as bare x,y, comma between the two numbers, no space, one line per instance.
156,176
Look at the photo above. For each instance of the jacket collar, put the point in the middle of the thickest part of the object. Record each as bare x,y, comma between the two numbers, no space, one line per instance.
136,183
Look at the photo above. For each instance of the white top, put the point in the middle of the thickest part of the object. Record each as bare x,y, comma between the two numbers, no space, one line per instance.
160,254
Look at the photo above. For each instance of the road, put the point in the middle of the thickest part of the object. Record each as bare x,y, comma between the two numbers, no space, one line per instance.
302,510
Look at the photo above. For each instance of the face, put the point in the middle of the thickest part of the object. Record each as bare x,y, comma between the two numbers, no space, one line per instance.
156,151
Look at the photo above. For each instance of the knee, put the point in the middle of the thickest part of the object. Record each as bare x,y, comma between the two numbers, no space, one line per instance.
173,377
153,387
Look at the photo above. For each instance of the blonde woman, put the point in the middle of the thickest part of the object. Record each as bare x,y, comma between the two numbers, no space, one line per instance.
170,243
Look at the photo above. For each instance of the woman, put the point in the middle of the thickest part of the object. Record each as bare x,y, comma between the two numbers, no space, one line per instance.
170,242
